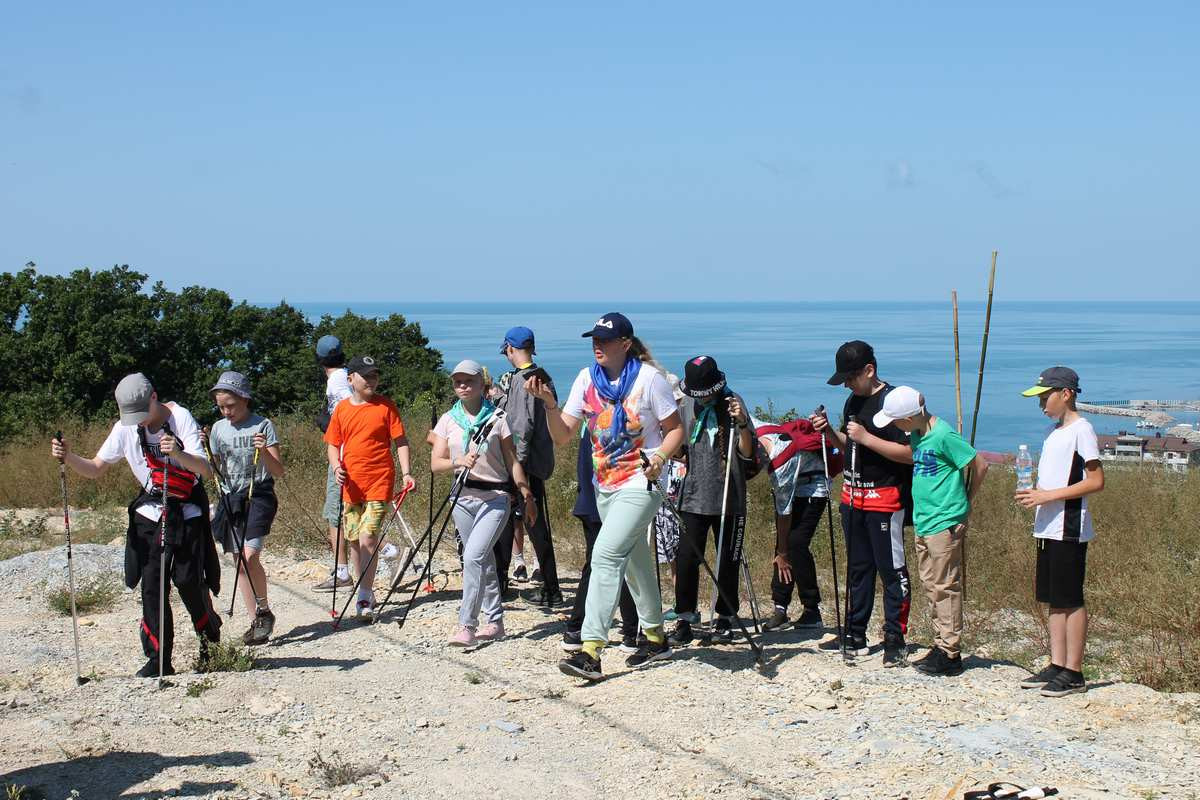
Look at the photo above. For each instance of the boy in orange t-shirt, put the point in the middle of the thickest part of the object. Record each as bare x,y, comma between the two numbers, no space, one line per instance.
360,436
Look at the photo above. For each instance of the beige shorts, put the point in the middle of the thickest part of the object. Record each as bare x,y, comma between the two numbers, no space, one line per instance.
364,518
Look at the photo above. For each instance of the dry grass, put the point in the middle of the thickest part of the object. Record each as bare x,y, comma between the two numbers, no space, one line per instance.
1143,570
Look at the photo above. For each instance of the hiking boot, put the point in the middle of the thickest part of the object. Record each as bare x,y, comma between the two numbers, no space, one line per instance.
630,643
681,634
150,670
856,645
722,631
520,574
550,599
777,620
463,637
810,619
649,651
1048,673
260,629
938,662
1065,683
895,653
927,658
581,665
328,584
491,632
572,641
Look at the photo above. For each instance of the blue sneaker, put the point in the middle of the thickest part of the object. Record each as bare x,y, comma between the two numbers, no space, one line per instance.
670,615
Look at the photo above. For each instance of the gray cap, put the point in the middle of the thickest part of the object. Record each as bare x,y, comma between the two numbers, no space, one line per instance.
234,382
467,367
133,398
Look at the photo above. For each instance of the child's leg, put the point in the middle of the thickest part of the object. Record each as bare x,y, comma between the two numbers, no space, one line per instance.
1057,622
257,581
1076,638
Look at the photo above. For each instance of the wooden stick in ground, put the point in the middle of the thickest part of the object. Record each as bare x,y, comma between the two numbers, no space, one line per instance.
987,325
957,371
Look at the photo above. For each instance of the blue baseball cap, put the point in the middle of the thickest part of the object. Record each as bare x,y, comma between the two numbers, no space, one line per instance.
329,345
520,336
611,326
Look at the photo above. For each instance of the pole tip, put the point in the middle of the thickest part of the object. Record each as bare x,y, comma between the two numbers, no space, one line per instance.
80,680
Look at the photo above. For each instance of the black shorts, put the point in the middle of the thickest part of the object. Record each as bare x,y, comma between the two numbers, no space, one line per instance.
257,516
1060,572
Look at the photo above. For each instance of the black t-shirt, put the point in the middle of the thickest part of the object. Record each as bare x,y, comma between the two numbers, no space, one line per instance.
879,481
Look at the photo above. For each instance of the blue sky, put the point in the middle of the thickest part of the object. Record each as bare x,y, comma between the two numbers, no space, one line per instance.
689,151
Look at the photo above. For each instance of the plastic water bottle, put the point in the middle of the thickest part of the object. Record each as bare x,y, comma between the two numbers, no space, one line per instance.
1024,468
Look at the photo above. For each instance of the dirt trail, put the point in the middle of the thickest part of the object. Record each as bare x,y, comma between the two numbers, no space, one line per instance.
422,720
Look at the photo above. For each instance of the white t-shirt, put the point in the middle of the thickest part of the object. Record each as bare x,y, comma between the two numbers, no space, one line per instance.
1064,454
649,402
123,443
337,388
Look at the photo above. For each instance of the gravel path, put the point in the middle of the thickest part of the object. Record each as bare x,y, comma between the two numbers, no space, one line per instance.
417,719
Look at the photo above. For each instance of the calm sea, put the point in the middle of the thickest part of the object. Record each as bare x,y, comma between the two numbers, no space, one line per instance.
783,352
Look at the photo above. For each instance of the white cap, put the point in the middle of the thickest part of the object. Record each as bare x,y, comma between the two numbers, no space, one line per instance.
467,367
901,403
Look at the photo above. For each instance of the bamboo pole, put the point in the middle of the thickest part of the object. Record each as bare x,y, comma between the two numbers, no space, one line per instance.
957,371
987,325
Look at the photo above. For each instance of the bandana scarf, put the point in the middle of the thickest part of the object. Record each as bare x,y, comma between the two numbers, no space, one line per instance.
616,434
470,426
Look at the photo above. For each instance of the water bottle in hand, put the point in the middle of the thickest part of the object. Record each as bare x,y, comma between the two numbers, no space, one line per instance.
1024,468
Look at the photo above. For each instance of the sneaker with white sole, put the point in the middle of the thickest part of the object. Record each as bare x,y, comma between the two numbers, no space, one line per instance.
1048,673
572,641
328,584
491,632
649,651
464,637
1064,683
581,665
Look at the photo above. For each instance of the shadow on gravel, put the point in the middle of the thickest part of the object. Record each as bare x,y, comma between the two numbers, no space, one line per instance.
284,662
112,774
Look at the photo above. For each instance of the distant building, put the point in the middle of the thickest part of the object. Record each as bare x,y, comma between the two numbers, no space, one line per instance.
1173,452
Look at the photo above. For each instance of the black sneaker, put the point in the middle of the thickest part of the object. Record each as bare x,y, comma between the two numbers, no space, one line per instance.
928,658
810,619
520,573
856,645
1064,683
895,653
649,651
536,577
550,599
1048,673
681,634
722,631
260,629
150,670
581,665
939,663
631,643
572,641
509,595
777,620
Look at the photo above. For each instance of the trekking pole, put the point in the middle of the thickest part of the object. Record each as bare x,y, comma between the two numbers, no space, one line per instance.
374,554
337,544
651,486
241,545
162,568
712,616
480,440
750,595
957,371
429,588
837,599
62,480
852,476
239,559
987,325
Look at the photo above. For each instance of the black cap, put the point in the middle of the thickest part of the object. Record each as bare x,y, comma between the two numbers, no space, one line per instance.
851,357
611,326
1054,378
701,378
363,365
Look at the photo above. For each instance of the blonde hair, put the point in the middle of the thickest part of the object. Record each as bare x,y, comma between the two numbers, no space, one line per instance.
641,352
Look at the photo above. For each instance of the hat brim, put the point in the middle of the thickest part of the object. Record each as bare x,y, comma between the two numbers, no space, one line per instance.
839,378
224,387
604,336
1034,391
131,418
363,371
716,389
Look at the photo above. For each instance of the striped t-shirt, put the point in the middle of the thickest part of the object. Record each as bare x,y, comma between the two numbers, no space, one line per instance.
1064,454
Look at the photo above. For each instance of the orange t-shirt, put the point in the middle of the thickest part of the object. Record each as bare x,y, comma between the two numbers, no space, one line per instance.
365,433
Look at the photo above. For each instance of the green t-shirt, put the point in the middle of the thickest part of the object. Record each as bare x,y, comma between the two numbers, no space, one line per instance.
939,495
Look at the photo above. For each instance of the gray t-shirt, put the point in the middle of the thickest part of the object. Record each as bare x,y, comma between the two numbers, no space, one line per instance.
233,448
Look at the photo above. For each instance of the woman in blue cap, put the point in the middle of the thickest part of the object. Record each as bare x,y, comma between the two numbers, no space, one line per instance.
633,423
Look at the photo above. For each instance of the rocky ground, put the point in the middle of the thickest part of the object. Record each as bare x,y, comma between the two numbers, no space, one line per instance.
394,713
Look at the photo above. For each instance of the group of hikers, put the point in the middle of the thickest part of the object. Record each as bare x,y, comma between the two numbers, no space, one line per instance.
662,463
